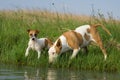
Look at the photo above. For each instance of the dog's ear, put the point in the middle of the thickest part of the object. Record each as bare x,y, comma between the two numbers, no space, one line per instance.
28,30
59,45
37,31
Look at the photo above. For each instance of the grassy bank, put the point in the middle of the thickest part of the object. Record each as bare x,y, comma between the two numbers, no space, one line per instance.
14,39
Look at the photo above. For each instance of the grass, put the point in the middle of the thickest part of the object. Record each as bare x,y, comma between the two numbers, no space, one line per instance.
14,39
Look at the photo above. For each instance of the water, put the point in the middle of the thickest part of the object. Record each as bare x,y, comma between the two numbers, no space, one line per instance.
10,72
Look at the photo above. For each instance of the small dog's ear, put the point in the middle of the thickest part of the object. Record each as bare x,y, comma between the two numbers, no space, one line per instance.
28,30
37,31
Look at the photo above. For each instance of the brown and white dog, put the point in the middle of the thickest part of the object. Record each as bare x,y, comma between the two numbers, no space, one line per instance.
37,44
76,39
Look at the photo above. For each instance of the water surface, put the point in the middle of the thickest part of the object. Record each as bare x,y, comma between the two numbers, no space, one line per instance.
10,72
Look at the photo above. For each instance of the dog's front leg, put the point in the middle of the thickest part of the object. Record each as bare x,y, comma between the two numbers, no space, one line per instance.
39,53
85,49
75,51
27,51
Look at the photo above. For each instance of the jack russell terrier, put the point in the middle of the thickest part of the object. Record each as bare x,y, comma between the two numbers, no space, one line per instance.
76,39
37,44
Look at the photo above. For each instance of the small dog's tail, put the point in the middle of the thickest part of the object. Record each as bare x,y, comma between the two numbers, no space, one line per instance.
103,27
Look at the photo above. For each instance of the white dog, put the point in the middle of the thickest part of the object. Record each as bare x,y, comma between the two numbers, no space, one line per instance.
37,44
77,39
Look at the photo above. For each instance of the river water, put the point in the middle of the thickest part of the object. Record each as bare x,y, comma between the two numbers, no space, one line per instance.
10,72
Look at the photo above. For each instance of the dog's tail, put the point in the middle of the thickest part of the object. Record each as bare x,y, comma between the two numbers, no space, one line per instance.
103,27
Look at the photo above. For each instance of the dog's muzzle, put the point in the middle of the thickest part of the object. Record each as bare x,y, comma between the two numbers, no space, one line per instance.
33,39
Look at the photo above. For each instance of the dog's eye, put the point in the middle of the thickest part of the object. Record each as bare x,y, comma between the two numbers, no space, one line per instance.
35,34
30,34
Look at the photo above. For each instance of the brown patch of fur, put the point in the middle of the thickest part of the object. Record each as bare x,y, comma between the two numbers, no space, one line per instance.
88,30
87,37
58,46
74,39
97,38
48,43
103,27
32,32
28,30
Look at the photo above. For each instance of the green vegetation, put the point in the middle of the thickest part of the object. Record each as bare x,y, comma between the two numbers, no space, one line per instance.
14,39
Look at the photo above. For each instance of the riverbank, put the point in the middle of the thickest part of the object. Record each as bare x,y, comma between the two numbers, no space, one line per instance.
14,39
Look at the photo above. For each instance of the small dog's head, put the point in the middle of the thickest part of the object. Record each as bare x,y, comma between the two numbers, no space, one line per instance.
33,34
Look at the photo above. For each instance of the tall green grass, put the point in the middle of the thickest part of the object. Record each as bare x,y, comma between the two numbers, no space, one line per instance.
14,39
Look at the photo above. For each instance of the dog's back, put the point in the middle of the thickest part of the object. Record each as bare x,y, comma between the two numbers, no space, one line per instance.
41,42
82,29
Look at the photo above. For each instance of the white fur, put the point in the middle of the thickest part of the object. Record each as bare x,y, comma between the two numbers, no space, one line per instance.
51,52
37,45
82,30
75,51
65,46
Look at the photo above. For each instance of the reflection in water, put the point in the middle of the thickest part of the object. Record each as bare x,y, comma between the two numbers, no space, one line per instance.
63,74
53,74
50,74
34,76
75,76
29,73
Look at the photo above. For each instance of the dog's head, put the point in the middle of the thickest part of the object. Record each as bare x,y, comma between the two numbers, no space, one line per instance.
33,34
54,51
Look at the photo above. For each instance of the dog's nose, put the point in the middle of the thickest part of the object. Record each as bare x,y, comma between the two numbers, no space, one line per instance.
33,39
